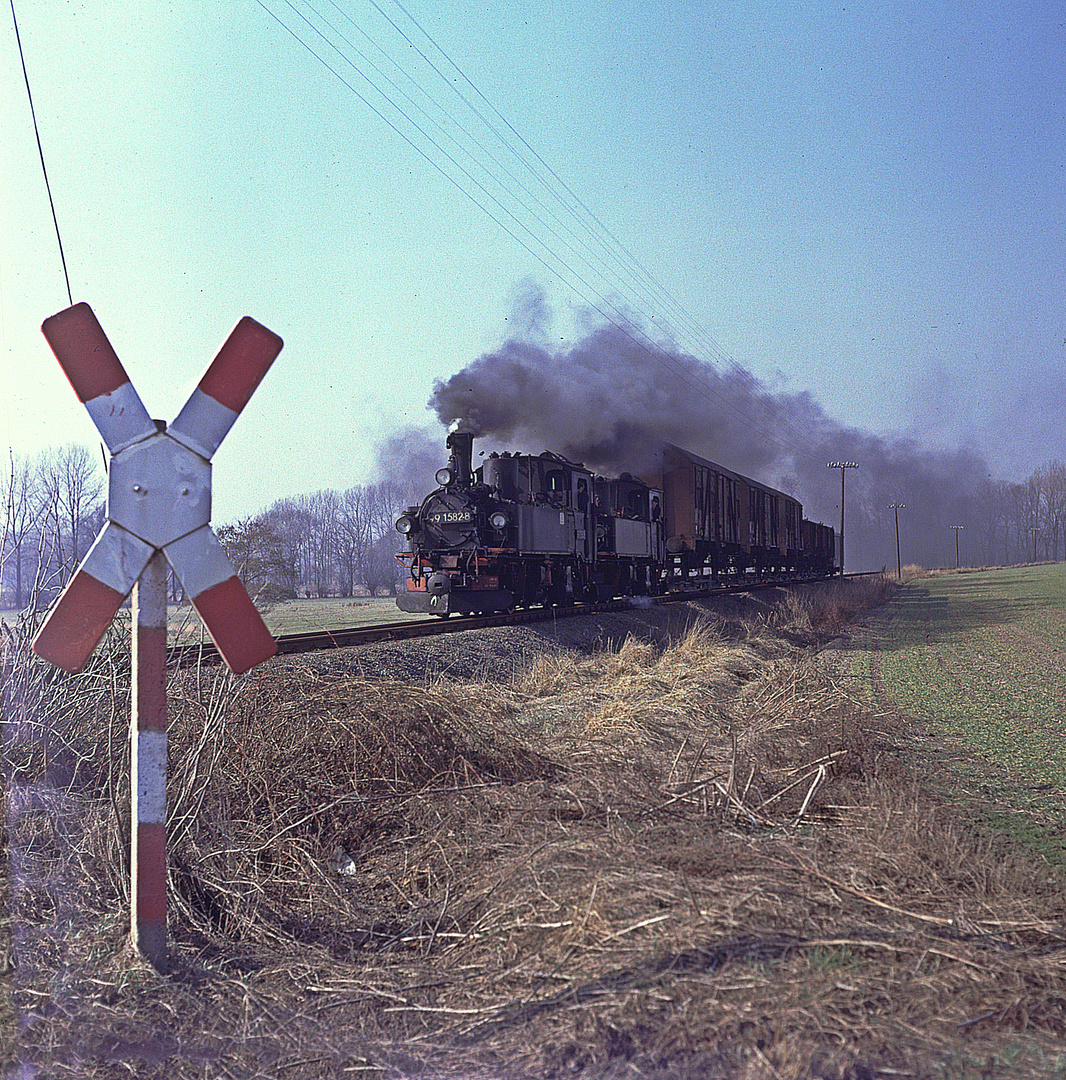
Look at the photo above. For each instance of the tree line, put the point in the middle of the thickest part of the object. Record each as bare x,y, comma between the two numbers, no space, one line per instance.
329,543
1026,522
999,522
343,543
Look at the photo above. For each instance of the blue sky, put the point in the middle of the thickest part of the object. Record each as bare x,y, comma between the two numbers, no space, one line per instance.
865,202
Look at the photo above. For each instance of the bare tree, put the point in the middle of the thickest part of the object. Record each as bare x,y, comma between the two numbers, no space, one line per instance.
385,501
992,511
1053,492
351,537
289,524
19,496
72,484
319,512
256,552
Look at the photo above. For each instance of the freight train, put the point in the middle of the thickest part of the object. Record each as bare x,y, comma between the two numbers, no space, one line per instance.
527,529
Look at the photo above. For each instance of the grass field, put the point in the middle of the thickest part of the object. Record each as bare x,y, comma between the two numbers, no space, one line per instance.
981,656
306,616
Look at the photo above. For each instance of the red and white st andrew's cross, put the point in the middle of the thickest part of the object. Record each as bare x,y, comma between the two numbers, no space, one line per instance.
159,493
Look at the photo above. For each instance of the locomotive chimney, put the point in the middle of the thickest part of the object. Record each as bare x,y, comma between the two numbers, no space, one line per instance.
461,444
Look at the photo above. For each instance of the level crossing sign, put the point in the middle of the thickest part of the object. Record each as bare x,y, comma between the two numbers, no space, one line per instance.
158,494
158,513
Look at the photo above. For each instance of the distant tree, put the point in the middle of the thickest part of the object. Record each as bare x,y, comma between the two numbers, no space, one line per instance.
71,482
350,538
321,511
256,552
1053,492
289,523
335,542
1015,521
380,568
385,501
991,517
19,493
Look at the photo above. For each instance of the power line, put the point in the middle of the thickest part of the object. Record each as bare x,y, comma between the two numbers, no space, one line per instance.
656,287
550,258
40,152
612,242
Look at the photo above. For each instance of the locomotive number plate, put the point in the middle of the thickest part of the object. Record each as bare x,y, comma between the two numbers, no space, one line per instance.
450,517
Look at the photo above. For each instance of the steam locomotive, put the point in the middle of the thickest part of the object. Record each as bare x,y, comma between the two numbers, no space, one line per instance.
529,529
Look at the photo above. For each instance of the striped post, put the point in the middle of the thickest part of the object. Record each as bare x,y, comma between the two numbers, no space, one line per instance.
159,511
148,765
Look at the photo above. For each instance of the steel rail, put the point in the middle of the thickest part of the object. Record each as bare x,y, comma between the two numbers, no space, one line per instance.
320,640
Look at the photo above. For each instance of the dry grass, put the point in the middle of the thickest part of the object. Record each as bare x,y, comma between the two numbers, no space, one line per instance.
700,860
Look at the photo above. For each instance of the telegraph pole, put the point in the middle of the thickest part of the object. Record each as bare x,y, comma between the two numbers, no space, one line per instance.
842,465
1034,529
896,507
957,528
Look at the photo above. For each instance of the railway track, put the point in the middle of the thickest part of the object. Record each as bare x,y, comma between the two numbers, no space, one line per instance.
289,644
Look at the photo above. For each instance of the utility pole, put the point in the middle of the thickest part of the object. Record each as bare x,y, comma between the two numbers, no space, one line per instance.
896,507
842,465
957,528
1034,529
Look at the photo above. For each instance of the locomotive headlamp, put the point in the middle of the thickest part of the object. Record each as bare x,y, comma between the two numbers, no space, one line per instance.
498,520
444,477
405,524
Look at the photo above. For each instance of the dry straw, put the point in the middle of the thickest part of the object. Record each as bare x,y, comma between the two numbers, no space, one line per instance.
700,857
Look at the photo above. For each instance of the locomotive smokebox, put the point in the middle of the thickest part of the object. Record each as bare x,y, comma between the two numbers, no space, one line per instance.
461,444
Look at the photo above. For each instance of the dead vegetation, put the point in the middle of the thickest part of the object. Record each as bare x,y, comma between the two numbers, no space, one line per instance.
697,859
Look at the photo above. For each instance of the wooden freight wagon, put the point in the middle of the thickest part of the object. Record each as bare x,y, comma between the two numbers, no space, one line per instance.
721,526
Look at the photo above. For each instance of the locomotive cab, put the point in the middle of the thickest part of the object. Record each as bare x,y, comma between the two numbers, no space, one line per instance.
629,535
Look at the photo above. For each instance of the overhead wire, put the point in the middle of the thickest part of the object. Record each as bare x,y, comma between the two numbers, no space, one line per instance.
587,292
502,137
610,254
657,289
572,247
40,152
463,98
436,145
597,248
580,211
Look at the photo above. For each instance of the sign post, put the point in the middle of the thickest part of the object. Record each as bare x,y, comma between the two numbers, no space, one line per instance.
148,763
158,513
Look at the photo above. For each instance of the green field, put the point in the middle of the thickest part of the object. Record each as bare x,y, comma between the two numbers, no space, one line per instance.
304,616
982,657
291,617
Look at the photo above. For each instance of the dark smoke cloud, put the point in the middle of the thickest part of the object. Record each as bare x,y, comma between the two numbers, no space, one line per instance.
613,396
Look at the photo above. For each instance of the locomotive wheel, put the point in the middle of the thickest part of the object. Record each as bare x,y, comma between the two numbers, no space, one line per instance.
573,589
558,596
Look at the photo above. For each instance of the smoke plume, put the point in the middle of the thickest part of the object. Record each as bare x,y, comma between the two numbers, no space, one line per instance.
613,396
